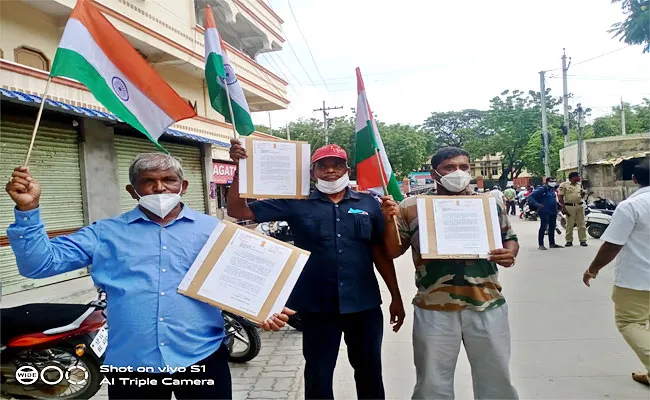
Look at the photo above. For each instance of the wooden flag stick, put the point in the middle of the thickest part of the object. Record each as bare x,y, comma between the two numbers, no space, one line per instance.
38,121
232,116
385,187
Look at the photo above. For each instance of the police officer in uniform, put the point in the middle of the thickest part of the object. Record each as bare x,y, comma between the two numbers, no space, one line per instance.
570,196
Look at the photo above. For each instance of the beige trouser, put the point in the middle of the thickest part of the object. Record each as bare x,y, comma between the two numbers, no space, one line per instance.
437,336
632,315
576,215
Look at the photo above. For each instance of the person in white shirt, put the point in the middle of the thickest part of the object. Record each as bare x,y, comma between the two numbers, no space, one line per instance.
628,239
497,194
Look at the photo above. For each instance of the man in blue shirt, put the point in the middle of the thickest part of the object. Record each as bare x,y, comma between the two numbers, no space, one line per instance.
545,200
337,292
139,258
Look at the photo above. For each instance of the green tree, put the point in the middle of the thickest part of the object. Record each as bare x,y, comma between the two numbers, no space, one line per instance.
513,118
455,128
635,29
406,147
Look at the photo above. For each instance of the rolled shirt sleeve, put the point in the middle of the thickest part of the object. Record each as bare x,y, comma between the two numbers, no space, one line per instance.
39,257
621,226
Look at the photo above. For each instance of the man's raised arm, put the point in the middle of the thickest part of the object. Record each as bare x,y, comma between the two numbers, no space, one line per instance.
36,255
237,207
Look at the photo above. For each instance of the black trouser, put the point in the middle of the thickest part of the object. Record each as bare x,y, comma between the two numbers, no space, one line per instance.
216,368
547,223
321,339
510,205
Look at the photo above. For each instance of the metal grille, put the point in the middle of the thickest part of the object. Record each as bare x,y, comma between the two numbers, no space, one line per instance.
55,164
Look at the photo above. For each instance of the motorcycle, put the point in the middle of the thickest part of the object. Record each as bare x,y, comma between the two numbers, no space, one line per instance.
605,206
242,338
277,229
52,350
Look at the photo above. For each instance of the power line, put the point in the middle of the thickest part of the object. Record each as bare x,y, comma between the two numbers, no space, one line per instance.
591,59
307,43
602,55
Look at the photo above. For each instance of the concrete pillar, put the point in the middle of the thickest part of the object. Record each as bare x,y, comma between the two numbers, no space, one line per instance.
206,155
99,181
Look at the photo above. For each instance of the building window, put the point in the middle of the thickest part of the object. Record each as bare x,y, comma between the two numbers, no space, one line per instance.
31,57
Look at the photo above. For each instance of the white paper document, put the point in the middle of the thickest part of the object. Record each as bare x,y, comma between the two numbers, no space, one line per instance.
460,226
274,166
245,273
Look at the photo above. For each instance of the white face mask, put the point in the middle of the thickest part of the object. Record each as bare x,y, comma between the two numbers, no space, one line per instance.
336,186
160,204
552,184
456,181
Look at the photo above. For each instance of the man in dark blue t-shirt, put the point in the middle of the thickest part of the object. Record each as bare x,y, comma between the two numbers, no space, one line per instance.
545,200
337,292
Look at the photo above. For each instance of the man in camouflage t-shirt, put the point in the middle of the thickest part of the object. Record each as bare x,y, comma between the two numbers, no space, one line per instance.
457,300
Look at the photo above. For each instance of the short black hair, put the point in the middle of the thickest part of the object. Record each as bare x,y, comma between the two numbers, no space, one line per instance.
573,174
551,178
642,173
445,154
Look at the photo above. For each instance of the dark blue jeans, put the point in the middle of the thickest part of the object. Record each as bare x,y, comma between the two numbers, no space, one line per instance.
547,224
321,339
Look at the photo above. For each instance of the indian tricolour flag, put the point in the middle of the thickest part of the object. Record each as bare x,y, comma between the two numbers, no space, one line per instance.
369,168
218,73
94,53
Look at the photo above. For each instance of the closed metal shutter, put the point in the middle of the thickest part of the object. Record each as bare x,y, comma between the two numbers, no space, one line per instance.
128,147
55,164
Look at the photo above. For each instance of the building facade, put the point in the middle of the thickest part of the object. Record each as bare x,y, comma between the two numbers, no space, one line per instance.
607,164
82,152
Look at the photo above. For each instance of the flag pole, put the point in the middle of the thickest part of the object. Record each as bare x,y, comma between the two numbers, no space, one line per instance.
385,187
38,121
232,116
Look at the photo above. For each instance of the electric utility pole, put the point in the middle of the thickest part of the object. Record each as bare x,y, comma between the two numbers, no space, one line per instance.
622,117
542,86
565,68
325,115
581,124
288,133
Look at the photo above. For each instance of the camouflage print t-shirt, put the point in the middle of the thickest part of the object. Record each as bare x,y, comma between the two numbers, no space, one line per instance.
452,285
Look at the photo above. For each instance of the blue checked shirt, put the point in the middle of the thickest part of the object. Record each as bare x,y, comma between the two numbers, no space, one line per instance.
140,265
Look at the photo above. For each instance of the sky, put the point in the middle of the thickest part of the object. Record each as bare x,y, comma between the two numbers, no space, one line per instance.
425,56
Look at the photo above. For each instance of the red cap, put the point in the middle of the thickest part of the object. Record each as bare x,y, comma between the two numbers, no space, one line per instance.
330,150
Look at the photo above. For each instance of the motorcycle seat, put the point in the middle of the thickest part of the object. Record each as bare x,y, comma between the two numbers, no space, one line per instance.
37,318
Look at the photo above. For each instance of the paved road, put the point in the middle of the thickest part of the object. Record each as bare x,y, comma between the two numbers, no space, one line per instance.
565,344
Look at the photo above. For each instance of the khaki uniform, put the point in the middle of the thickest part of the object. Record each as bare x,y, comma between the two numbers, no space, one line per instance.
575,211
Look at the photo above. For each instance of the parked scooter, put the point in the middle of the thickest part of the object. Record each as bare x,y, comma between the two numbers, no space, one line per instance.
53,350
527,213
597,221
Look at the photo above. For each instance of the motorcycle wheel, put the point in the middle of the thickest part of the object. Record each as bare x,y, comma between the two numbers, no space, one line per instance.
596,230
83,391
246,342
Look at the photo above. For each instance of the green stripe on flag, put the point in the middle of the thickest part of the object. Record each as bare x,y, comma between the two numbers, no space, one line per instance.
365,144
214,65
73,65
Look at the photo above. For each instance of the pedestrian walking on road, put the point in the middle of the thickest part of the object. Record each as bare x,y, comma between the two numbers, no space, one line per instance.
627,239
337,292
458,301
497,194
545,201
511,196
570,195
138,258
